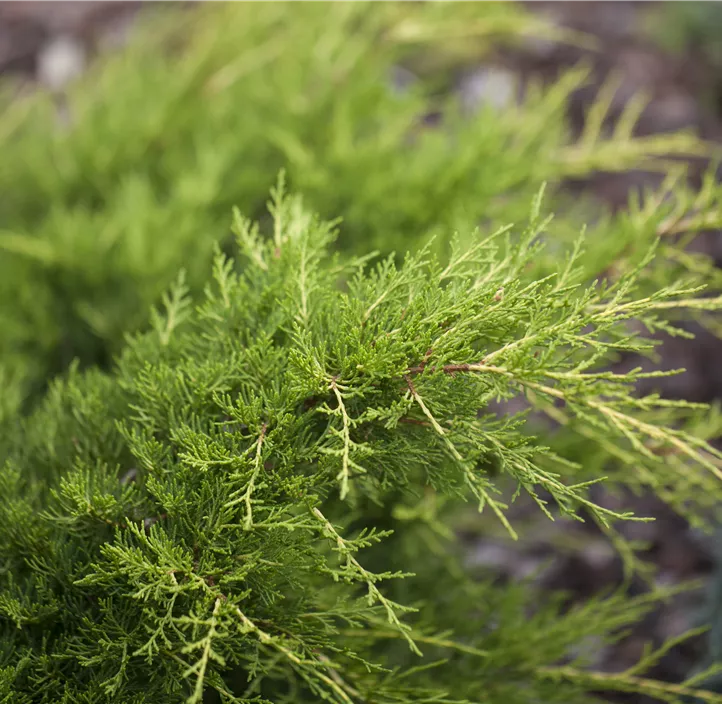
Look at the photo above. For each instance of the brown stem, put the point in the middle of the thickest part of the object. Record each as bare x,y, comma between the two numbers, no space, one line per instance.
447,369
414,421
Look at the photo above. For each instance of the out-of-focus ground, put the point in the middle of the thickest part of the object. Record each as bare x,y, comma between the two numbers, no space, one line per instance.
46,44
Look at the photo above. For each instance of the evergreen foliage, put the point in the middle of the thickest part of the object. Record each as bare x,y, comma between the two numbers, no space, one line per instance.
256,501
201,112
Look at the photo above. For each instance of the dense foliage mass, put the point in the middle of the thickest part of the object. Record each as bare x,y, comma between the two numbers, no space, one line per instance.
256,500
109,190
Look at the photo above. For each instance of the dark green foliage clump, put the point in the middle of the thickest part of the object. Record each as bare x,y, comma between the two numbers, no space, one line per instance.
257,501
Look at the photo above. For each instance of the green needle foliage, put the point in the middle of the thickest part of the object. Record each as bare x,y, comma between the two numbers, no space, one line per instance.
256,503
110,189
251,494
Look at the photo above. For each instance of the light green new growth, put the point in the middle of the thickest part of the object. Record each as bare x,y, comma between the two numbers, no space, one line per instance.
98,216
239,507
251,495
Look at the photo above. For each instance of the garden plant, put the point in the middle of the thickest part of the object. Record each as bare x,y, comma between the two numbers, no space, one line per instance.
269,332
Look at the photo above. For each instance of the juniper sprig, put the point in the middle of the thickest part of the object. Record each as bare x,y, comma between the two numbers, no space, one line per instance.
203,108
254,505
